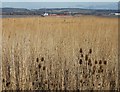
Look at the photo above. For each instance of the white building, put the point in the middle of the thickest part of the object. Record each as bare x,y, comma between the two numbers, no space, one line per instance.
45,14
117,14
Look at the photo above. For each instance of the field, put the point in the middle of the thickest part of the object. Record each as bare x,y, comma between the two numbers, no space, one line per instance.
60,53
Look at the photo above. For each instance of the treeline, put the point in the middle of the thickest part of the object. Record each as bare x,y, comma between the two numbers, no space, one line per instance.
58,11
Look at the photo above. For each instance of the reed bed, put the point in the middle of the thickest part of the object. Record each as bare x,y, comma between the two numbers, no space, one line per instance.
57,53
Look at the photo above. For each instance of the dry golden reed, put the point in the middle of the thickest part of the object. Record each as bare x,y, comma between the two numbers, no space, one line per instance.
60,53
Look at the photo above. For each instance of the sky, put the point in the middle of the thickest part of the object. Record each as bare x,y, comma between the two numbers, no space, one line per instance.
60,0
36,4
84,5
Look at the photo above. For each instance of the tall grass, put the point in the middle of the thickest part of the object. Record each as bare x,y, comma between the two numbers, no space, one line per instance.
75,53
0,54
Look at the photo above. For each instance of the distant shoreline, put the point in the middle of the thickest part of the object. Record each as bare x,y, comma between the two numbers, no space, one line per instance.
28,16
18,16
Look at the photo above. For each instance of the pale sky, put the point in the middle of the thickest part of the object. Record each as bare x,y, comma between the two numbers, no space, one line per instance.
60,0
36,4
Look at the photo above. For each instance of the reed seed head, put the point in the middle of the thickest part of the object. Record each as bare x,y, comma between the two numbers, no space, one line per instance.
80,61
81,55
86,57
43,67
42,59
95,61
3,80
81,50
39,66
100,62
105,62
37,59
90,51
